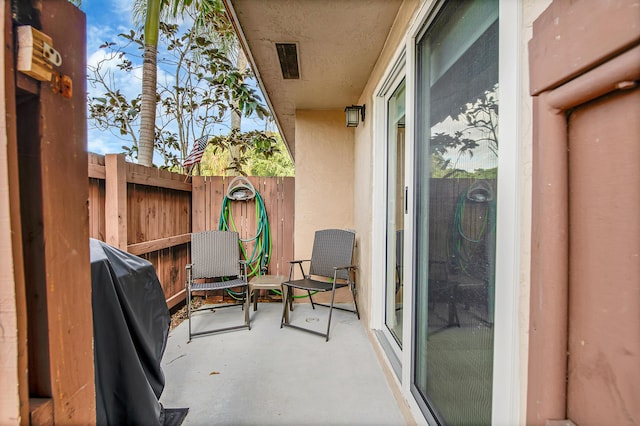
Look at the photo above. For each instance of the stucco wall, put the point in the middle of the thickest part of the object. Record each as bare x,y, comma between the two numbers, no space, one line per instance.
324,179
363,177
531,9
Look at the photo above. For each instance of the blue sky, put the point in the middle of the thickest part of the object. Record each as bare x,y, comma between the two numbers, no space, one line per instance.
105,20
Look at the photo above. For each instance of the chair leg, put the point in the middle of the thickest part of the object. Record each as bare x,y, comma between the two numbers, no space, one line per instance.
189,312
355,300
313,306
333,294
453,309
286,300
254,296
247,306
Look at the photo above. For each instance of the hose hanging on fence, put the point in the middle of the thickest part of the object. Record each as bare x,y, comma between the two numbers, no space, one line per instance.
462,240
240,189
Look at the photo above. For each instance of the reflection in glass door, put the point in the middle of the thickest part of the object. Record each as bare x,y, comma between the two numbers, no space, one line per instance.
456,172
395,212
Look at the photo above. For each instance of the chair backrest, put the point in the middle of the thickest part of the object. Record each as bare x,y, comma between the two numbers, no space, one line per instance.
331,248
215,254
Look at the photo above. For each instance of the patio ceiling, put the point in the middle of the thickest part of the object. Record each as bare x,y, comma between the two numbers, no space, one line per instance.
338,43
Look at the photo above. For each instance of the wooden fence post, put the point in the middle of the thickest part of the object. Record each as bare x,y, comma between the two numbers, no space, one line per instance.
116,200
198,186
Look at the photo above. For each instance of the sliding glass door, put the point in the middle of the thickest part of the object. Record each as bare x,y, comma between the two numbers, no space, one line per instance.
456,155
395,212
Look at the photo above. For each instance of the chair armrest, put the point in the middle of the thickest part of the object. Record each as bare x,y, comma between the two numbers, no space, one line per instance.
343,268
337,268
188,276
243,268
300,261
292,264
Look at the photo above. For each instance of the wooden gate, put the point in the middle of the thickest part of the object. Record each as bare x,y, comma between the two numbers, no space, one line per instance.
585,281
45,132
279,200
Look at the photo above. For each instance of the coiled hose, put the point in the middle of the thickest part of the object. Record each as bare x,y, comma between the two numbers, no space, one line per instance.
462,240
258,260
260,256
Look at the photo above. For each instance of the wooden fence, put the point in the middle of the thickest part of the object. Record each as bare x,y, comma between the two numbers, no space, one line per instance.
462,235
152,212
278,196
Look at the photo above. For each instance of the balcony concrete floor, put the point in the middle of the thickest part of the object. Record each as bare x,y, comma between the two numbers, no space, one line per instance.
273,376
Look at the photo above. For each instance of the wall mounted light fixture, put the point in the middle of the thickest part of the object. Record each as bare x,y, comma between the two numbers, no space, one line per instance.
354,113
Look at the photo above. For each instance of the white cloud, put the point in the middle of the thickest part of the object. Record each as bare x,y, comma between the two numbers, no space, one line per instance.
98,34
122,8
165,79
98,56
100,142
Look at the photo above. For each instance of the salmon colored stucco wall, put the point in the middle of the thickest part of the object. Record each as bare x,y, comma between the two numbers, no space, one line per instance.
324,180
531,9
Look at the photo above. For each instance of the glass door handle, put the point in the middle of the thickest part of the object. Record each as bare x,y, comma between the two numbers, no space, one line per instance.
406,201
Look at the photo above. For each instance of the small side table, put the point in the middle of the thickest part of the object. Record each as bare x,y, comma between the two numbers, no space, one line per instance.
264,282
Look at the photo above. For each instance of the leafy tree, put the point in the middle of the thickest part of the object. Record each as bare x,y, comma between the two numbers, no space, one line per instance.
260,143
213,164
255,164
482,116
211,16
279,164
210,12
481,125
204,88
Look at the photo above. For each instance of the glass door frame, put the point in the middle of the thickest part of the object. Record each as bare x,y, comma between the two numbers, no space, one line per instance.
385,91
512,98
506,362
396,210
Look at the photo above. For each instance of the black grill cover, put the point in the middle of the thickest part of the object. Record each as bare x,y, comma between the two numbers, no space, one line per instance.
131,326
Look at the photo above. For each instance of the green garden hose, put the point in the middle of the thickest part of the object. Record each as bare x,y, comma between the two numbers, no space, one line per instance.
258,260
240,189
462,239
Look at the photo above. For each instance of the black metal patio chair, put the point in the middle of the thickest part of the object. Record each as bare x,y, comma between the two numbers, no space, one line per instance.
330,268
216,265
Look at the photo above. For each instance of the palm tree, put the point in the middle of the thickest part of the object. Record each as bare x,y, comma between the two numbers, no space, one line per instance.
149,84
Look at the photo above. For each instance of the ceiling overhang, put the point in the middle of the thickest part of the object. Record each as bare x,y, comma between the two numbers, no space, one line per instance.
337,45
